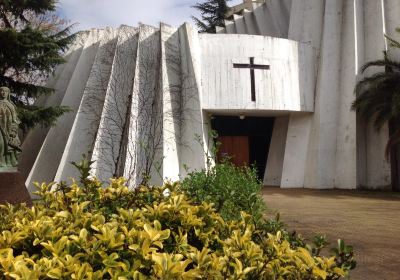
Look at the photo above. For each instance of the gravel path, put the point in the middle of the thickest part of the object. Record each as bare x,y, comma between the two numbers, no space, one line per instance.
370,221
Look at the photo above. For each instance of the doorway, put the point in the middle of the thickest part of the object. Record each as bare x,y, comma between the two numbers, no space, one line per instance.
246,141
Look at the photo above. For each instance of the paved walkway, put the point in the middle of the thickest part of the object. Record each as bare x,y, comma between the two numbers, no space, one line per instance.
370,221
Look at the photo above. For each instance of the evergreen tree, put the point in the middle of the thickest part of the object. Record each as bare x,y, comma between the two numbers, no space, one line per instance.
32,42
212,15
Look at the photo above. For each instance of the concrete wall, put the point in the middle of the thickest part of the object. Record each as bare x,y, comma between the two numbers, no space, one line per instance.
340,151
155,88
287,86
269,19
135,95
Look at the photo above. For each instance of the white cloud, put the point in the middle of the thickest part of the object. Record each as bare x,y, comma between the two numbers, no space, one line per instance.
102,13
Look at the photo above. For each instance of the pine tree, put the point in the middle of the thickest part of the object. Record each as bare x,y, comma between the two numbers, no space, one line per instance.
32,41
212,15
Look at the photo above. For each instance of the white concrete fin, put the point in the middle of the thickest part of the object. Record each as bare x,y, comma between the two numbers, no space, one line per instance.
274,167
171,91
240,24
144,134
230,27
297,143
194,128
287,8
83,132
281,16
35,137
306,22
255,5
108,148
377,172
305,26
322,149
346,131
251,23
392,12
48,159
263,20
220,30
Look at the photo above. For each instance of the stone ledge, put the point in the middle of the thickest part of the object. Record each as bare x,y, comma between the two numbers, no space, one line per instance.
12,189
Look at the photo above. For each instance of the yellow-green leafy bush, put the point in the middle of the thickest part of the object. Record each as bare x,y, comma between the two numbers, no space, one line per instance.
85,231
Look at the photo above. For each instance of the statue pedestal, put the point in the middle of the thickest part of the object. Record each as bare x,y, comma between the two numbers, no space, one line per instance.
12,188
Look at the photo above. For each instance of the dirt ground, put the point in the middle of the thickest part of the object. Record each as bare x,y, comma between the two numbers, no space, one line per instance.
370,221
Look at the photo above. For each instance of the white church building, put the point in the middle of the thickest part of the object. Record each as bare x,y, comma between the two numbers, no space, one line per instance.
276,84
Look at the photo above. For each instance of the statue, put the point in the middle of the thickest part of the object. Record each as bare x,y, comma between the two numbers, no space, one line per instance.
10,145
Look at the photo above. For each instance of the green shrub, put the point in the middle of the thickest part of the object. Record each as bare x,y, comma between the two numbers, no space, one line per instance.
85,231
230,188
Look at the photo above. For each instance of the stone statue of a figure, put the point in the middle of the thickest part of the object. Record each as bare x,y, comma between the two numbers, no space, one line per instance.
10,145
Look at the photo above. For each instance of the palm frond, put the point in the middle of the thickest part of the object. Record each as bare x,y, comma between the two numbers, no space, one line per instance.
378,98
381,63
380,78
392,41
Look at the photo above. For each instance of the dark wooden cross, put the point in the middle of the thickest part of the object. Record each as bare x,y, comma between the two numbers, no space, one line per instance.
252,67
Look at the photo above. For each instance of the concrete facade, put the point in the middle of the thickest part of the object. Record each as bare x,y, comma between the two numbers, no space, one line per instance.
338,150
142,98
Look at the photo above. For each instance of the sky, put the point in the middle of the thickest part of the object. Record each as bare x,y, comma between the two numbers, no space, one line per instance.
101,13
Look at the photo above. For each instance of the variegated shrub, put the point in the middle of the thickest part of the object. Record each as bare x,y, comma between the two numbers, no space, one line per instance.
86,231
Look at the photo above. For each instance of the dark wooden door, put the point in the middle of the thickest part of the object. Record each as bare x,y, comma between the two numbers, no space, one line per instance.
236,148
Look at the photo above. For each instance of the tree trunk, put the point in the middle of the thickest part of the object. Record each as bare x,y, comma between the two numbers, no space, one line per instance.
394,153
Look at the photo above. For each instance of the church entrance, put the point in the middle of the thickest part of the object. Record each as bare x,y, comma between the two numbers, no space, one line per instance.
246,141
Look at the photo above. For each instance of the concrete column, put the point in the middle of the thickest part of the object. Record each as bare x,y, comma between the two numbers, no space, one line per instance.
361,147
145,141
280,15
264,24
230,27
305,26
171,90
295,160
194,128
82,135
108,147
346,155
323,142
392,12
240,24
377,168
274,168
251,23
